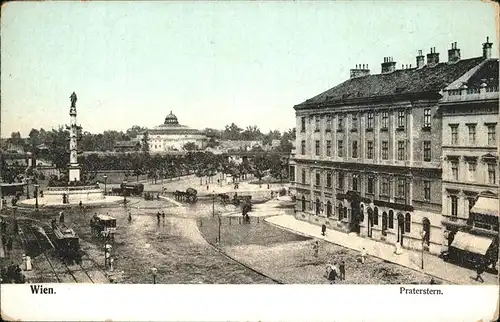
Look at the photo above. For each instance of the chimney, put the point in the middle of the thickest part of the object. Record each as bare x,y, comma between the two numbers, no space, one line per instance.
487,48
432,57
388,65
360,71
453,53
420,60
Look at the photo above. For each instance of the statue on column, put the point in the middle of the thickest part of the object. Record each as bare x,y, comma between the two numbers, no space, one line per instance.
73,99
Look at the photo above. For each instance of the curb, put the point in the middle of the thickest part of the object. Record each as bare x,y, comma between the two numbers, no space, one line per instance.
235,260
309,236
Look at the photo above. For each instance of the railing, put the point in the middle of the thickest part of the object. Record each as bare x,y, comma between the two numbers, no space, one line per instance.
69,188
489,92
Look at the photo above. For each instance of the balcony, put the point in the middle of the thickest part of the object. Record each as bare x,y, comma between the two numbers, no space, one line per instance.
454,221
470,94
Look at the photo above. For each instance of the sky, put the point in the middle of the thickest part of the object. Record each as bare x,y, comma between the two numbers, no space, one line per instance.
211,63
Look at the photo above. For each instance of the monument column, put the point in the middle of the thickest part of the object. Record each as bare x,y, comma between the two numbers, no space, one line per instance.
74,168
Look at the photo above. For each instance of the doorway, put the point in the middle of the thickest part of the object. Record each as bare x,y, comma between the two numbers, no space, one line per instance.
318,207
401,228
355,217
370,222
328,209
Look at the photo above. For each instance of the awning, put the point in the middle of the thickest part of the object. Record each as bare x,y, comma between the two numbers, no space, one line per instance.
486,206
471,243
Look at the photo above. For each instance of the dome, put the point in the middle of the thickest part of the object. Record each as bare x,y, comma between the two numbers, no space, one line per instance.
171,119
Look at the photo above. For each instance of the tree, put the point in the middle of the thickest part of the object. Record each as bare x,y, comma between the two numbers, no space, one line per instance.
145,142
232,132
190,146
16,139
134,131
252,132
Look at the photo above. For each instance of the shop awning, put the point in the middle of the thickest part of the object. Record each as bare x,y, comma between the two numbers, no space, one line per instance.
471,243
486,206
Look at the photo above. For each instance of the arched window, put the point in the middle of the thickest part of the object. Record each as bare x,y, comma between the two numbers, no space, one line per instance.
427,230
303,203
391,219
375,216
318,207
328,209
340,210
407,222
384,223
362,213
370,216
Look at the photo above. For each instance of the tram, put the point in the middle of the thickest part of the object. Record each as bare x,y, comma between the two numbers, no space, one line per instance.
132,188
103,225
66,241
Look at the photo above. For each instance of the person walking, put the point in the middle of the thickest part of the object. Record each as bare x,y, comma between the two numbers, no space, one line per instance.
323,230
333,274
158,216
479,271
342,270
363,255
316,248
61,217
163,215
129,217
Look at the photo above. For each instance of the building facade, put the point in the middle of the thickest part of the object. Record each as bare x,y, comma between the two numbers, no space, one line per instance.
172,136
368,152
470,156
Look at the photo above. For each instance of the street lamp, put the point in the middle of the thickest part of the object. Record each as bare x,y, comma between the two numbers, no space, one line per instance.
36,195
124,190
219,228
27,187
105,180
154,270
213,203
422,233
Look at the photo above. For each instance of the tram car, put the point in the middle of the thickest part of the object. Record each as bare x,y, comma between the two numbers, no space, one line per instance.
132,188
66,241
103,225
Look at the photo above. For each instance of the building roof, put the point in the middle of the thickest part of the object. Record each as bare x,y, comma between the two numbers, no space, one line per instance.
486,72
171,126
401,82
126,144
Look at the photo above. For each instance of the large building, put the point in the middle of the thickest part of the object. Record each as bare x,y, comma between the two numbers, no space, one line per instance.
470,157
172,136
368,151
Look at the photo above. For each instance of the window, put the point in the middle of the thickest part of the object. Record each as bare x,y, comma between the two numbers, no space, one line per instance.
355,182
303,124
385,150
427,151
491,134
454,170
292,173
369,186
303,175
472,133
355,123
385,120
472,170
329,179
375,216
401,150
328,123
427,190
401,188
407,223
317,148
328,148
354,149
369,124
340,123
340,148
384,186
454,206
369,149
427,118
303,147
472,202
340,210
401,119
491,174
340,180
316,123
318,178
454,134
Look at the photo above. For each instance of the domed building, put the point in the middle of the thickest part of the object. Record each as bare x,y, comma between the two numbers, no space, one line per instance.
172,136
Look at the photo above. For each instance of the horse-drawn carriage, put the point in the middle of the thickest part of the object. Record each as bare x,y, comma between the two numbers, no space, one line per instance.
190,195
103,226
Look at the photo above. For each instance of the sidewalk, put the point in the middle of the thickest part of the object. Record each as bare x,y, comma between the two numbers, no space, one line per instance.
409,258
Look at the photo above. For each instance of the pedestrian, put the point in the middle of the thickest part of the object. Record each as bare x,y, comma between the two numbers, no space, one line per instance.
163,216
268,186
129,217
432,281
316,248
323,230
61,217
333,274
479,271
342,270
158,216
272,194
363,255
80,204
207,187
9,245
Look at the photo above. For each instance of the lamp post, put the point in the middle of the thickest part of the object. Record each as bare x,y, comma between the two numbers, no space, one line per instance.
124,190
422,233
154,270
27,187
36,195
105,177
213,203
219,228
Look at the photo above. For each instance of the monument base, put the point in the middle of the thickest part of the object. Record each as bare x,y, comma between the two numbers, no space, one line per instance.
74,174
